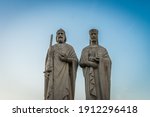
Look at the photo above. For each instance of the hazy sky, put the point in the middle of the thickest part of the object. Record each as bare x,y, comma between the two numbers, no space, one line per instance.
25,28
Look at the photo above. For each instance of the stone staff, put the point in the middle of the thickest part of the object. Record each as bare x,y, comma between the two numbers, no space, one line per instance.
47,77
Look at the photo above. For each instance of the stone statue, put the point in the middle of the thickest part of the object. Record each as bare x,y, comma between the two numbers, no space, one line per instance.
60,70
96,65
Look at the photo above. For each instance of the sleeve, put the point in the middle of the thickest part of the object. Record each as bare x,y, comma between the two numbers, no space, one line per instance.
84,58
105,75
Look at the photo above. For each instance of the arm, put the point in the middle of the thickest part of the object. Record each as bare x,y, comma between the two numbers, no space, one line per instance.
88,64
64,58
86,61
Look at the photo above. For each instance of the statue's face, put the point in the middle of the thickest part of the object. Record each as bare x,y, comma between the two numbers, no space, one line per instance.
60,37
94,36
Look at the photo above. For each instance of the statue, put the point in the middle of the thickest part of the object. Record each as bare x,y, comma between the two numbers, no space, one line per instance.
96,65
60,70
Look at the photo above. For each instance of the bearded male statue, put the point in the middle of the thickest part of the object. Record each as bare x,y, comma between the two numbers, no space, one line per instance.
60,70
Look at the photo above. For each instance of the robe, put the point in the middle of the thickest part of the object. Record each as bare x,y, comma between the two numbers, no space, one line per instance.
97,80
61,81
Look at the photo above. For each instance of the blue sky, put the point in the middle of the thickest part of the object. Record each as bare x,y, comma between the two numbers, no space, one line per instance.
25,28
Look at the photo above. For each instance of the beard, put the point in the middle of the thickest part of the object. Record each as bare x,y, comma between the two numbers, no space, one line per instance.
60,40
94,39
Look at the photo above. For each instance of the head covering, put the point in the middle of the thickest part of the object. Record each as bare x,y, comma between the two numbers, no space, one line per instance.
93,30
60,30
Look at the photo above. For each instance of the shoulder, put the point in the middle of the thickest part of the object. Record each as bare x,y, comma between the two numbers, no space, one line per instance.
102,49
68,46
86,48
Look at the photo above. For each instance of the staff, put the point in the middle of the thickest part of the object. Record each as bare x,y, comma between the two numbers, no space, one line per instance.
47,76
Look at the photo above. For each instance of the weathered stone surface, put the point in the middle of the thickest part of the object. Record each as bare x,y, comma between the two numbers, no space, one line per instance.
60,70
96,65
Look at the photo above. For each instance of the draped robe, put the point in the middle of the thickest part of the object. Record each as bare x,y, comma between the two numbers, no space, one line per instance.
97,80
61,81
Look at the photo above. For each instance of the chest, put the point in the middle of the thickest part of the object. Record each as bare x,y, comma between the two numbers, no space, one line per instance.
95,52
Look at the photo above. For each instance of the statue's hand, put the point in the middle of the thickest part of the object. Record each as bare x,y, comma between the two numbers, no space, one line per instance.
46,74
94,59
63,57
93,64
91,58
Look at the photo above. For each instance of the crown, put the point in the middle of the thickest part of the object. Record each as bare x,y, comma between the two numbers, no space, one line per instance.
93,30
